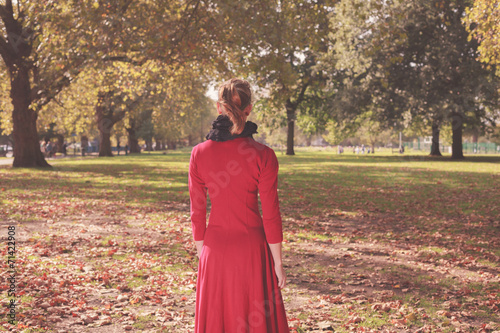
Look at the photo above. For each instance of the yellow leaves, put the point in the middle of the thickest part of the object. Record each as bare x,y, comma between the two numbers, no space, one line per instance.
411,316
485,19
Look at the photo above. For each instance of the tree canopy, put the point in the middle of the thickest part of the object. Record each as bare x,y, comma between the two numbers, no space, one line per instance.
411,60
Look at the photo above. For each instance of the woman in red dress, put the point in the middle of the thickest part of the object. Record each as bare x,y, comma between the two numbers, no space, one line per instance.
240,271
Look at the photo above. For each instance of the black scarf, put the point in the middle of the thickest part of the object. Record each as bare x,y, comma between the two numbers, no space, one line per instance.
220,129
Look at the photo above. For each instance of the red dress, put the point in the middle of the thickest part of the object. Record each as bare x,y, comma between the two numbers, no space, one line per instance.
237,288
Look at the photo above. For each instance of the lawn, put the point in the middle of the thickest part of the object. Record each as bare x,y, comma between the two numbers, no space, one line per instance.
373,243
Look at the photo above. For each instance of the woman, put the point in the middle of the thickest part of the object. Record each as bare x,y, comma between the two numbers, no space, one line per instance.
240,271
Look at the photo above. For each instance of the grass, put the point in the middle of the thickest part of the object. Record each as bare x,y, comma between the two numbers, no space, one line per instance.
360,230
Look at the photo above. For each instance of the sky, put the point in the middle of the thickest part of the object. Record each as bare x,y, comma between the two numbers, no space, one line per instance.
212,92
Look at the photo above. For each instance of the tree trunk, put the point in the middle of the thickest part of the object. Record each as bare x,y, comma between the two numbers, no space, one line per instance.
456,147
158,144
16,52
290,116
60,143
105,143
27,151
104,125
435,141
149,145
172,145
84,142
373,148
133,142
106,119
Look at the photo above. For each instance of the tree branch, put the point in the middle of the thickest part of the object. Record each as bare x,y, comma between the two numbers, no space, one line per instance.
4,48
125,6
118,116
300,98
7,14
124,59
58,102
184,31
8,6
57,86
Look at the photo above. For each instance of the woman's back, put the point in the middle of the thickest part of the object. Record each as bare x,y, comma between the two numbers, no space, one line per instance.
240,269
235,172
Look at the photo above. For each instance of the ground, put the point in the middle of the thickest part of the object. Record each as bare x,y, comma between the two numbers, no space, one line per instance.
372,244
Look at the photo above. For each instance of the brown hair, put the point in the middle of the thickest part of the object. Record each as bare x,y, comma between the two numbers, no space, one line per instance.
234,96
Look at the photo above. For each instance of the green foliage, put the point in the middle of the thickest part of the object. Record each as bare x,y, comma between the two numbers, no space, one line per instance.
482,21
410,61
280,57
365,128
335,133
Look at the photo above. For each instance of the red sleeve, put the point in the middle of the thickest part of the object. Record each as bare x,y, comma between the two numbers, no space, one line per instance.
268,192
198,198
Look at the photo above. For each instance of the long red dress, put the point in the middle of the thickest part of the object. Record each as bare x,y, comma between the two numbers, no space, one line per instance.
237,288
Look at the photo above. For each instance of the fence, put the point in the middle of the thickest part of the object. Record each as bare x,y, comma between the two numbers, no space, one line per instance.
481,148
468,148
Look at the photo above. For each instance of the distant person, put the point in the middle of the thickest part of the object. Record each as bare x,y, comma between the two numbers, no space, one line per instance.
126,149
65,149
43,148
368,150
362,149
48,149
118,147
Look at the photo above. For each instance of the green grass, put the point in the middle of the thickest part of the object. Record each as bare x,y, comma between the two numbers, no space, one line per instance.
443,213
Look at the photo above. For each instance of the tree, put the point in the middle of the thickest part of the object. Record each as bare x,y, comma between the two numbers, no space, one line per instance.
39,68
412,60
278,51
182,110
122,88
72,110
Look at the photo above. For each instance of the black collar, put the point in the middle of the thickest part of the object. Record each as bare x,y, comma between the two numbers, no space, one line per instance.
220,129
